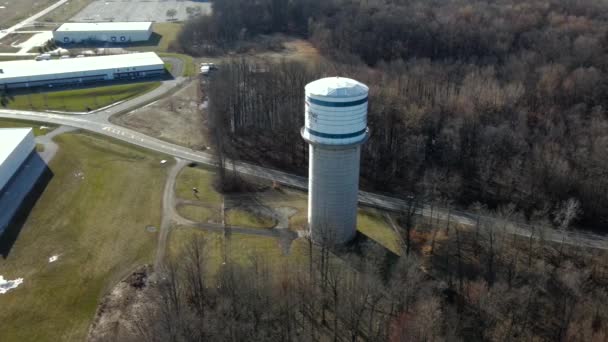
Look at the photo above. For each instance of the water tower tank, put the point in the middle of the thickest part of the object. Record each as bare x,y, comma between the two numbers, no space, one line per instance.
335,127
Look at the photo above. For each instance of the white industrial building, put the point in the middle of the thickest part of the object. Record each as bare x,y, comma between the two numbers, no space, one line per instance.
70,71
335,127
113,32
16,144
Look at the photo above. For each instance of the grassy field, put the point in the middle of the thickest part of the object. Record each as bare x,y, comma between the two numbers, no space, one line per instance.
164,34
240,249
200,178
80,100
17,11
243,218
66,11
14,58
210,200
8,123
189,65
200,213
93,215
372,224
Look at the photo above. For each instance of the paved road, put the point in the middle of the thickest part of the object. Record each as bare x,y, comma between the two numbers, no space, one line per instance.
31,19
98,123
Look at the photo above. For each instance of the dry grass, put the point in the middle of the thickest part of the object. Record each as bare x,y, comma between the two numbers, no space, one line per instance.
17,11
201,178
241,249
200,213
93,215
244,218
373,224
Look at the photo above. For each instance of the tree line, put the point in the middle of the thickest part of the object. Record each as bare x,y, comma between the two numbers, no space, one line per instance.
500,102
480,284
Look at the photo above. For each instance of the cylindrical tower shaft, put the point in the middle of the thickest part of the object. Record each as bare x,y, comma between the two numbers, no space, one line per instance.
333,184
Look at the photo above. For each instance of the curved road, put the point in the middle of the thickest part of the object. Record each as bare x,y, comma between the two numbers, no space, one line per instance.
99,123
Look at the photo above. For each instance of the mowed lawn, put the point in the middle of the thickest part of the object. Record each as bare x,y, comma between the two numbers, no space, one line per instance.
240,249
36,126
93,214
80,100
189,68
372,224
163,35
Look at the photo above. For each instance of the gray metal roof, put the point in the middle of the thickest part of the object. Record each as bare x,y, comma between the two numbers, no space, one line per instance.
10,138
109,26
28,68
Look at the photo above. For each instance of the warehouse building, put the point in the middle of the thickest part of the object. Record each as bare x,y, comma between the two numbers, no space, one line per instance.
16,144
71,33
75,71
21,169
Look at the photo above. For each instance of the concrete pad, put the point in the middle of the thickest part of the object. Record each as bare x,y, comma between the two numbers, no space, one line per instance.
138,10
39,39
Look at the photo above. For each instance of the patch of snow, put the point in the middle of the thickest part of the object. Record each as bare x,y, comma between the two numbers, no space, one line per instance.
53,258
7,285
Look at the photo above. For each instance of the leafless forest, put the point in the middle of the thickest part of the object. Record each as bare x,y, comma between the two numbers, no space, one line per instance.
449,284
495,105
497,102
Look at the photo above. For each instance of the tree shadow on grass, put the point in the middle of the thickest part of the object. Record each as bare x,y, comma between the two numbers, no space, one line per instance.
16,224
367,248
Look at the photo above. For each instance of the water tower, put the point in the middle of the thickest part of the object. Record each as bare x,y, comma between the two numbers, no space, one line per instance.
335,128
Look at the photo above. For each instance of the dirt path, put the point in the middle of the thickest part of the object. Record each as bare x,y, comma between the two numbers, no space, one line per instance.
169,212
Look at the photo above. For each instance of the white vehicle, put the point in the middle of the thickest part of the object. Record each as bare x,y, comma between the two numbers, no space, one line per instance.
211,66
205,70
43,57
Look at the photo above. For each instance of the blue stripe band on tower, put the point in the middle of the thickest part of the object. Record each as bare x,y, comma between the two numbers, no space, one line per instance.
335,136
336,104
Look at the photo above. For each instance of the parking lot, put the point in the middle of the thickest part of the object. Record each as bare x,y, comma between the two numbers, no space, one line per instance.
140,10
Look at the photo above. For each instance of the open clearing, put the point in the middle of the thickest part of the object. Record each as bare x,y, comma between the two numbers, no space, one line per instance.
15,11
10,42
240,248
66,11
175,119
139,10
263,209
93,214
189,65
80,100
163,34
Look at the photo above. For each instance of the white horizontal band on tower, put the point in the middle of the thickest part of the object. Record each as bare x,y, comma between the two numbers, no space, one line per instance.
336,111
